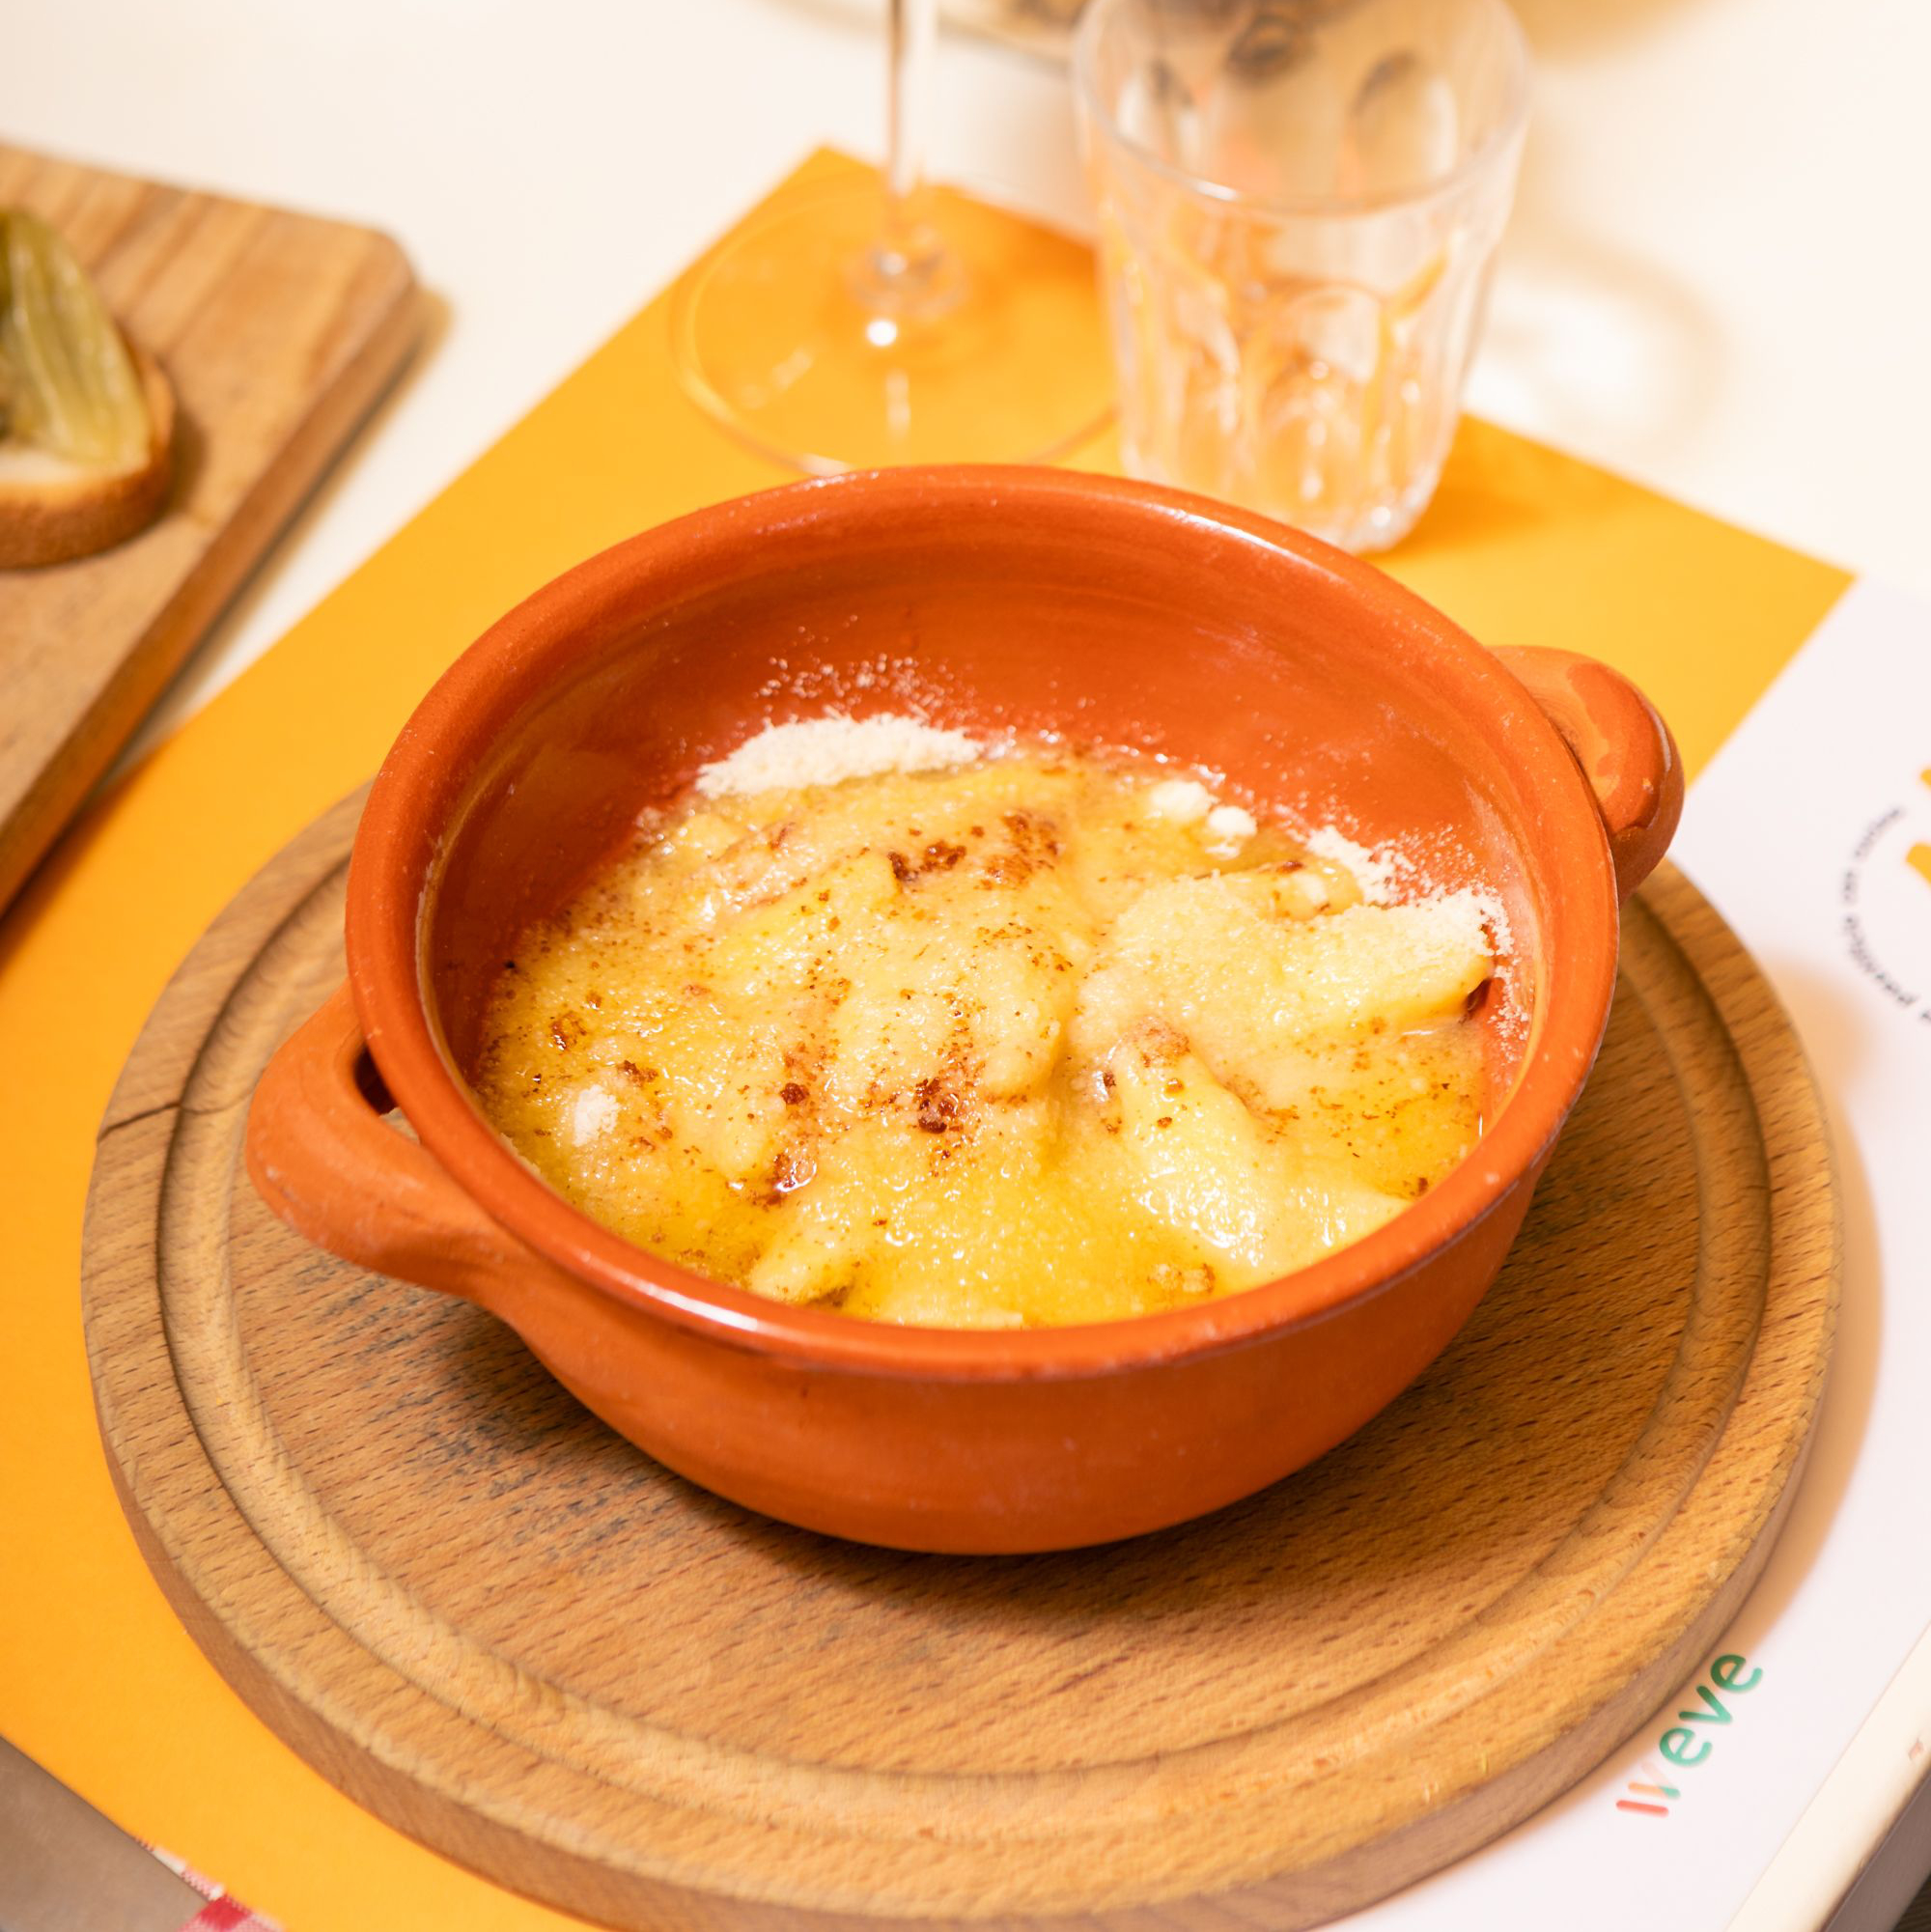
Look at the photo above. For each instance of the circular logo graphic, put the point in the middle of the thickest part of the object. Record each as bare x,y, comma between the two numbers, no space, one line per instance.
1887,906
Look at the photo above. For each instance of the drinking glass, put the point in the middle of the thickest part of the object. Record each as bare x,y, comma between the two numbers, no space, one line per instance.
1299,205
879,321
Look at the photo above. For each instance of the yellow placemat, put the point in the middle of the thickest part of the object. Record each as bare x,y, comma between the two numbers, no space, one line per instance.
97,1678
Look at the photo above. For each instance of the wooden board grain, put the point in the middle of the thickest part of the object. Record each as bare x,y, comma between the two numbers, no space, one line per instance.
278,331
509,1633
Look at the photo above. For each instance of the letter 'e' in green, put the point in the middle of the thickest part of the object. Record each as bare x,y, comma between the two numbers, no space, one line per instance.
1675,1747
1727,1673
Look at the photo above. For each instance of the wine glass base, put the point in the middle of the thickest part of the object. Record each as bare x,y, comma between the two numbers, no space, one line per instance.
781,337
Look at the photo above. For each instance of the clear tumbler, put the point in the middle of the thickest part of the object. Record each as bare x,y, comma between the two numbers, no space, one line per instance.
1299,205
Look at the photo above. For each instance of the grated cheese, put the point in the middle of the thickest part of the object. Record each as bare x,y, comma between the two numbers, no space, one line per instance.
1389,877
1184,800
592,1115
828,750
1231,826
1377,873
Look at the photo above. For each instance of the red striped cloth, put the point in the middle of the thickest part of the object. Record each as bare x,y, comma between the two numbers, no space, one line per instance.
223,1913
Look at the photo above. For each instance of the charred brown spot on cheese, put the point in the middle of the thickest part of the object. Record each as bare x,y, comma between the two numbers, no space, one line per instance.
1158,1041
1031,834
793,1168
939,1106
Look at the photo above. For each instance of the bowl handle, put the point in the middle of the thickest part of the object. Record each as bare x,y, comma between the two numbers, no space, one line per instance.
1622,745
322,1157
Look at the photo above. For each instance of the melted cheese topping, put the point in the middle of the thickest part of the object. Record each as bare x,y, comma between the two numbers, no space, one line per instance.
1039,1039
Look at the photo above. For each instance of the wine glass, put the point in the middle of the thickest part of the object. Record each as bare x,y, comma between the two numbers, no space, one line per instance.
880,320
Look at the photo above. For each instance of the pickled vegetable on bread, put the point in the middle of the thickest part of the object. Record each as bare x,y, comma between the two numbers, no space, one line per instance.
86,418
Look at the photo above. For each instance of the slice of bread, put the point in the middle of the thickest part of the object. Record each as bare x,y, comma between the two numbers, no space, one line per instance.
52,509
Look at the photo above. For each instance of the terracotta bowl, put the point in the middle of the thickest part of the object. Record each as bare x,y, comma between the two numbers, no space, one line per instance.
1114,614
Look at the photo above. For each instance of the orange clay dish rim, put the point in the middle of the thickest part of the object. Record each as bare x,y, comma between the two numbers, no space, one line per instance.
455,726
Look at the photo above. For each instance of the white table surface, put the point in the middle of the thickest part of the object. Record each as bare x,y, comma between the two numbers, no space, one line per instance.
1715,281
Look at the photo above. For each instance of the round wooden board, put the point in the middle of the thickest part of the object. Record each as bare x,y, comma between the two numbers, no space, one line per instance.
508,1631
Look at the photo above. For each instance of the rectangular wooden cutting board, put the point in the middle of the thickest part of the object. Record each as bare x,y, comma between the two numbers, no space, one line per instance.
278,331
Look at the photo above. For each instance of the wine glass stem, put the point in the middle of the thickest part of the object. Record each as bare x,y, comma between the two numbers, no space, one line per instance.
915,32
908,275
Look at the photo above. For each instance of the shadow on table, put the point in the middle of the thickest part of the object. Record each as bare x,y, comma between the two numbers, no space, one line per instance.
1599,346
1561,28
1834,1038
